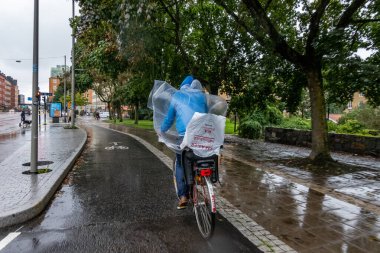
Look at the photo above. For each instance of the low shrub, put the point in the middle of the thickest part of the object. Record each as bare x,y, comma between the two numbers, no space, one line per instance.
274,116
252,126
366,115
251,129
296,123
350,127
331,126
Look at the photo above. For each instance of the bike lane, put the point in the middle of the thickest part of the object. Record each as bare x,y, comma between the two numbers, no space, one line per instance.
120,198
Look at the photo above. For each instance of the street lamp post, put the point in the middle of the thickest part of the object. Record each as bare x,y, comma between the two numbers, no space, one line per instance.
73,74
64,93
35,97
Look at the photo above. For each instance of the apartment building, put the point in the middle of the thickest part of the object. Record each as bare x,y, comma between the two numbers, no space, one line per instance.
58,71
94,103
21,99
358,100
8,92
53,85
2,91
14,92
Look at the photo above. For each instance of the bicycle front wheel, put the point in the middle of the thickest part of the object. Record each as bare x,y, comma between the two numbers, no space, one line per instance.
204,206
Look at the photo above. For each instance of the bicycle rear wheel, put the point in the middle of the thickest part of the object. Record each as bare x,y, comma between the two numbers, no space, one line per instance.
203,197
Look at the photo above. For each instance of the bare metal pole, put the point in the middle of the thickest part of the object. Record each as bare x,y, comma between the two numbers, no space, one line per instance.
64,92
34,137
73,74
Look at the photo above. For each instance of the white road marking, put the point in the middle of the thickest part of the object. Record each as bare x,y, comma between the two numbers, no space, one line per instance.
116,146
8,239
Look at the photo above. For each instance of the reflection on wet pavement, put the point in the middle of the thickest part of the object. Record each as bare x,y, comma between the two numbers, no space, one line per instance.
358,181
305,219
300,214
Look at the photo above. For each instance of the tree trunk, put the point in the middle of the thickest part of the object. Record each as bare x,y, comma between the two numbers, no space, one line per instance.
119,114
319,149
109,109
136,113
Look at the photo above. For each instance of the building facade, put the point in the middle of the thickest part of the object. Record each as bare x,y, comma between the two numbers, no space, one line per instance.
21,99
53,85
358,100
2,91
94,103
14,92
8,92
57,71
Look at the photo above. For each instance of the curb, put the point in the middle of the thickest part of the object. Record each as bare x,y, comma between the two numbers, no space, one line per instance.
37,204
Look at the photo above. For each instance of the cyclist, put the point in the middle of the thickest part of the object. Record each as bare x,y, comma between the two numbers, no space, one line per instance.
184,103
22,116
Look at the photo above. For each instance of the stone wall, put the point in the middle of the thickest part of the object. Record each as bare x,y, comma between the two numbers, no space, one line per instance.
338,142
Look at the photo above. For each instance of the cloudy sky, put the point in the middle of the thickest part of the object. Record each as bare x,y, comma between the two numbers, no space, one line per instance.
16,39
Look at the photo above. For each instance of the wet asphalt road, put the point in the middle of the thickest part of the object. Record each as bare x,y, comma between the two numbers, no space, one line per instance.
12,136
119,198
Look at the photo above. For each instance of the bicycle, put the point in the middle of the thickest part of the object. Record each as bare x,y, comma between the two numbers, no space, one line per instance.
25,123
200,174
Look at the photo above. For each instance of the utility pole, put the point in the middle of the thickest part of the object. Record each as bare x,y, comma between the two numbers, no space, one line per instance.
35,95
64,93
45,99
73,74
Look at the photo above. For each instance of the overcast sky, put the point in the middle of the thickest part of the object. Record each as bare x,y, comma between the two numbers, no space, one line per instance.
16,39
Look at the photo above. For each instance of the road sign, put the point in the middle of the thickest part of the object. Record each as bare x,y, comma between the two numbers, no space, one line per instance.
46,94
29,99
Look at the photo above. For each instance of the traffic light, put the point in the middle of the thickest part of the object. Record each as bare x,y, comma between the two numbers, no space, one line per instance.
38,95
44,99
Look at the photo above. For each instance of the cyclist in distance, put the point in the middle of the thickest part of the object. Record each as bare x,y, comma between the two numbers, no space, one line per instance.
22,116
184,103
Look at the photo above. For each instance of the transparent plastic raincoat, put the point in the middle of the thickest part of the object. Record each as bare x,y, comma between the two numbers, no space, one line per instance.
188,117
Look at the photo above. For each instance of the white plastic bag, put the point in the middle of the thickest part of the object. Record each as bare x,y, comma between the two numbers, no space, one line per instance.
204,134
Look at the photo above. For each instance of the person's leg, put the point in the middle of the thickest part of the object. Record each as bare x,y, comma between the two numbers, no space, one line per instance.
180,178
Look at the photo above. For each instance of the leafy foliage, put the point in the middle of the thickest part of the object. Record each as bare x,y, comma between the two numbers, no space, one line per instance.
350,127
252,126
296,123
367,116
318,39
248,49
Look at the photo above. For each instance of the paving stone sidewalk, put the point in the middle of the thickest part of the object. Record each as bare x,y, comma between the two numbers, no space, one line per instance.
24,196
358,182
311,212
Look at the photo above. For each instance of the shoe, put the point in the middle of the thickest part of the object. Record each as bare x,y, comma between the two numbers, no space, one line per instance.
182,204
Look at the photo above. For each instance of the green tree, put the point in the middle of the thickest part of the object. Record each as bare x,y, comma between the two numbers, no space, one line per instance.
98,50
80,100
306,37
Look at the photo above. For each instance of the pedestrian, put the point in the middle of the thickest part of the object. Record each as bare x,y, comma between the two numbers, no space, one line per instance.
184,103
22,116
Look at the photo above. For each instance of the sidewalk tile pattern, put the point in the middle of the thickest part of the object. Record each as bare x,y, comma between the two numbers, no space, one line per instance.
24,196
